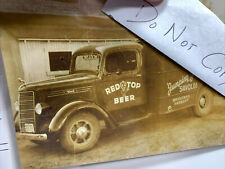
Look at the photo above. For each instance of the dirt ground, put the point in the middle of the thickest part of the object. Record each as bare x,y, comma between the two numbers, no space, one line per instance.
159,134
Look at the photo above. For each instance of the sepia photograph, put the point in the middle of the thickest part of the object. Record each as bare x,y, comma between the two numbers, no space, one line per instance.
85,90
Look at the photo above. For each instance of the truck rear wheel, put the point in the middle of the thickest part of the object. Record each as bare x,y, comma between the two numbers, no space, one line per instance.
204,102
80,133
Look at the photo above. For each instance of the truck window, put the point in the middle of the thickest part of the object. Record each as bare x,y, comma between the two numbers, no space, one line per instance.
88,62
122,61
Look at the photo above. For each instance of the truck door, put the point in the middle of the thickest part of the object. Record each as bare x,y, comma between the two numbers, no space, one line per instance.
122,87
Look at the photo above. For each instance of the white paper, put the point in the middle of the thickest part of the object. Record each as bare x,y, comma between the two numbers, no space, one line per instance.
184,30
8,150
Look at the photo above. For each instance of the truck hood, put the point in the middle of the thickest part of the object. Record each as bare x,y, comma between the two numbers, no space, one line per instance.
63,81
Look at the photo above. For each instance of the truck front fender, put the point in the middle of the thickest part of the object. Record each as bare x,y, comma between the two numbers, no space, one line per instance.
74,107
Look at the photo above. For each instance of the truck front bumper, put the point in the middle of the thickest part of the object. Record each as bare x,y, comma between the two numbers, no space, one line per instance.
29,136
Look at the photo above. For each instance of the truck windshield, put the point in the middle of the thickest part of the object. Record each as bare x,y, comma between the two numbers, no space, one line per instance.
87,62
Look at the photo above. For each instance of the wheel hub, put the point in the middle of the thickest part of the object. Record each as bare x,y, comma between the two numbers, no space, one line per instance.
202,102
82,132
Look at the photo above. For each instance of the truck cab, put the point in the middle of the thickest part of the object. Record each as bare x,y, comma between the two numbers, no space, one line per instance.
121,84
108,86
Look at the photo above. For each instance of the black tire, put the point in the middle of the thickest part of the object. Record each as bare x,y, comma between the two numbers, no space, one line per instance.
204,102
80,133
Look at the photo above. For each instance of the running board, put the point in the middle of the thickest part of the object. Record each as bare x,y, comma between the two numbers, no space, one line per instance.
135,120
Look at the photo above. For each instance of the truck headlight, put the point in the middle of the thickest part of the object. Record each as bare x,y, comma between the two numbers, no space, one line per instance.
38,108
17,107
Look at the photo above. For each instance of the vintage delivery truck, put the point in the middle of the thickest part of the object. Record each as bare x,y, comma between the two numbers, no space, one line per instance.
109,86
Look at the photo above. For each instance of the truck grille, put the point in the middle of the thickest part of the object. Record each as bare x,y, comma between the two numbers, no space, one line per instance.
27,112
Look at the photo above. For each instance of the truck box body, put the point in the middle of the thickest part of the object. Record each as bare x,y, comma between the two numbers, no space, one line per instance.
160,72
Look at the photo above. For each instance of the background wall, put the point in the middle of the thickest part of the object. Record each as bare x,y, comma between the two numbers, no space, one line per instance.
35,55
10,48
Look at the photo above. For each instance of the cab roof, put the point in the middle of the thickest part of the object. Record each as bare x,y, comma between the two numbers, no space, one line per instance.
101,48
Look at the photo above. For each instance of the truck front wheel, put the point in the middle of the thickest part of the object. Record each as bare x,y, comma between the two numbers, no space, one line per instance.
204,102
80,133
